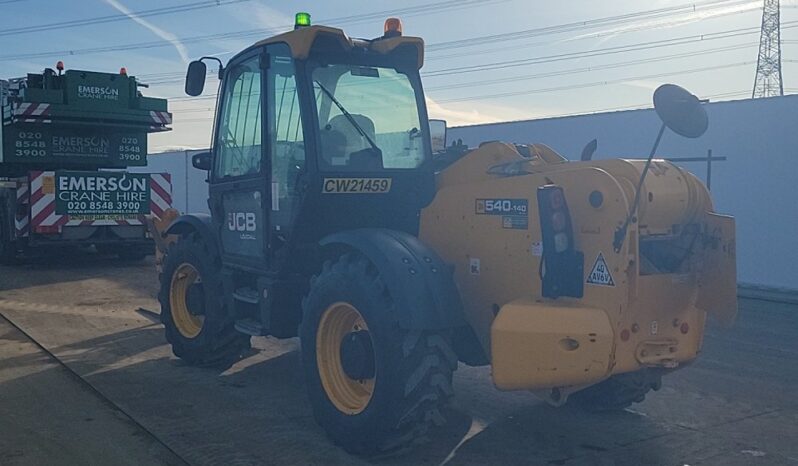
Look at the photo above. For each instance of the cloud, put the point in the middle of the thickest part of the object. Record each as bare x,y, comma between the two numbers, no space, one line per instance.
642,84
687,18
262,16
489,113
165,35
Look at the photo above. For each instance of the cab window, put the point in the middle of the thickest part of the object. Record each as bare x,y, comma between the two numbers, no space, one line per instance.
368,118
239,135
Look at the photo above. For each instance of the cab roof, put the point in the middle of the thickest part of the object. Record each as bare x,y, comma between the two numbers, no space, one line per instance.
302,40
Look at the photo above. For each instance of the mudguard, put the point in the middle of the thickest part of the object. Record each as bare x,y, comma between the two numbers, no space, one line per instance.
185,224
420,282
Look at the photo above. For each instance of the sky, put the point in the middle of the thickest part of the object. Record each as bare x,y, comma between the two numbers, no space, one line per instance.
486,60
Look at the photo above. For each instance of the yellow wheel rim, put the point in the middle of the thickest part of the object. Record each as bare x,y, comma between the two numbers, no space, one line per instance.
188,324
350,396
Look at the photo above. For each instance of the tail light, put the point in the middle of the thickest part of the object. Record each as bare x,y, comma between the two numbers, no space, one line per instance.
562,266
47,229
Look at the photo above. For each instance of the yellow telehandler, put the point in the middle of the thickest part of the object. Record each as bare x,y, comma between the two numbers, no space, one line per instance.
333,218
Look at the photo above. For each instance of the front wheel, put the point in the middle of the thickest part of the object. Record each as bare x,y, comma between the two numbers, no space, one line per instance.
193,312
374,386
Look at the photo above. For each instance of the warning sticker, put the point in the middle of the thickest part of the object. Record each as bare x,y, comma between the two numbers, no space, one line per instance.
600,273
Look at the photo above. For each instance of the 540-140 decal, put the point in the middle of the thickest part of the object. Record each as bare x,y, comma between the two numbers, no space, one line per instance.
356,185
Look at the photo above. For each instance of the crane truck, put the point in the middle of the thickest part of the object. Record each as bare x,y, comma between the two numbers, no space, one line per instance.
65,140
582,281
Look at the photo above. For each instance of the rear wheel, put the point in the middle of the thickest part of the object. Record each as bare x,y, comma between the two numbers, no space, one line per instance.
374,386
618,392
192,306
8,247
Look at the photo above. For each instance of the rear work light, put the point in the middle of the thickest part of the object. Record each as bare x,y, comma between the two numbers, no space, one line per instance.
393,27
301,20
561,266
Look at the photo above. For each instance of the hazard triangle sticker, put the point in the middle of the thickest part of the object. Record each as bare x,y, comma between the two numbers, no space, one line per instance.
600,273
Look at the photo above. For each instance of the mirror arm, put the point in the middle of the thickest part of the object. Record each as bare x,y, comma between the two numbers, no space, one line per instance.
620,233
221,65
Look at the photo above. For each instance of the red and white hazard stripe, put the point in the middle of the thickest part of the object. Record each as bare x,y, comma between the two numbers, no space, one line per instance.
43,203
22,224
32,112
160,193
163,118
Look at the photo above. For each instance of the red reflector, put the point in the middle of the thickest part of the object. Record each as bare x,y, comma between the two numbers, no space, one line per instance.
624,335
684,328
47,230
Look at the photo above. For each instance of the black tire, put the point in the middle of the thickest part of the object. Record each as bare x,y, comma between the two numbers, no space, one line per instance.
412,368
8,247
618,392
218,342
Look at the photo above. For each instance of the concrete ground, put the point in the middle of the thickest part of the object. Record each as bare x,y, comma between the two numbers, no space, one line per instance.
116,395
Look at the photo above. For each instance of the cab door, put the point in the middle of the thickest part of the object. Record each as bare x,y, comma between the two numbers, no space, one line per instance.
239,199
285,145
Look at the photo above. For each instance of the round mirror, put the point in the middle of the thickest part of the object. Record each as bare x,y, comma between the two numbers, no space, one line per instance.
680,110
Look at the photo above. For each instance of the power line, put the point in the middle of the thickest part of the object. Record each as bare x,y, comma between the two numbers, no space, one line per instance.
597,52
589,69
593,84
118,17
581,25
575,55
448,5
410,11
550,42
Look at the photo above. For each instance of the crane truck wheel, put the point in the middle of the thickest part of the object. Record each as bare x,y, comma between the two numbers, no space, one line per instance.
618,392
193,311
8,250
374,386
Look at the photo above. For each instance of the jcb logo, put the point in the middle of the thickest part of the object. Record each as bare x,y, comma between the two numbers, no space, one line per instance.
241,221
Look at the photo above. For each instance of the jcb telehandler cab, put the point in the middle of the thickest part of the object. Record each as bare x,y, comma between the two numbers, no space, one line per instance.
328,221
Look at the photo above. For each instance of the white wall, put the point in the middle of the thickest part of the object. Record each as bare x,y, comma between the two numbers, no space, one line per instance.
757,183
189,189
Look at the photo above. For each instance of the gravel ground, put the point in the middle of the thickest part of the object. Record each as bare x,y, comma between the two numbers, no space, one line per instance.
734,406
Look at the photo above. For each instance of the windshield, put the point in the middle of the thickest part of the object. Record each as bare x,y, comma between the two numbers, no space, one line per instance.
368,118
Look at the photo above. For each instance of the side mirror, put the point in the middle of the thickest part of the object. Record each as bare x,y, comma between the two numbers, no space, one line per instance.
195,78
680,111
201,161
437,134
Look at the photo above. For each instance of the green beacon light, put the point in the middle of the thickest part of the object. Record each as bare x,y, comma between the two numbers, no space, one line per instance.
302,20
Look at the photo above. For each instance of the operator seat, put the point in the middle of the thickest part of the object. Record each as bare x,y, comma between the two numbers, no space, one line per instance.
354,140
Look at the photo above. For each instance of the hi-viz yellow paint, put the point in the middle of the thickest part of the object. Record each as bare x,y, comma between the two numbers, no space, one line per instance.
537,343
